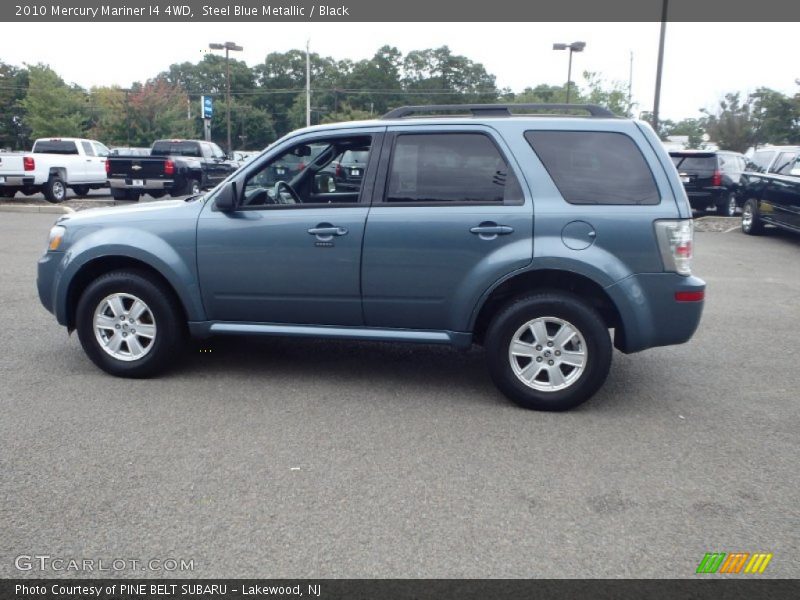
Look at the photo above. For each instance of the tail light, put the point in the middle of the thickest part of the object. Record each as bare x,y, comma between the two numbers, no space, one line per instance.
169,167
716,178
338,169
28,163
675,243
108,167
696,296
302,166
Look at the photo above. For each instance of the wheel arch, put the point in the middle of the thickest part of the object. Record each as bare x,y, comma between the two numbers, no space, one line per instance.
101,265
546,279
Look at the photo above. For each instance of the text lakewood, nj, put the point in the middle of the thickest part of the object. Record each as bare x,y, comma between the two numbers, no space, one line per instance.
182,10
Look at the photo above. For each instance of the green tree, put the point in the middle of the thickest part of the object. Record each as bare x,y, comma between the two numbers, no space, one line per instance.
158,109
13,87
733,126
110,115
692,128
777,117
53,108
346,113
613,95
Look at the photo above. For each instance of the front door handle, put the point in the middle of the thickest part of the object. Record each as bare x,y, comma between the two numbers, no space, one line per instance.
325,230
489,230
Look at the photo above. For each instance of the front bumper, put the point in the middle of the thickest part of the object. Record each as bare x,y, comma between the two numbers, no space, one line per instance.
651,316
47,277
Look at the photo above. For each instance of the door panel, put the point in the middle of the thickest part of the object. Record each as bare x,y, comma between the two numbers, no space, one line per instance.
425,266
265,266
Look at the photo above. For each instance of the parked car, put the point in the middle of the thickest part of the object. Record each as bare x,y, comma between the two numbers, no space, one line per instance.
712,179
531,235
53,166
772,159
773,198
130,151
349,169
174,167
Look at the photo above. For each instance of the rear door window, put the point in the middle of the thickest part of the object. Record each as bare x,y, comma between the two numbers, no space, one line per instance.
450,168
88,150
595,167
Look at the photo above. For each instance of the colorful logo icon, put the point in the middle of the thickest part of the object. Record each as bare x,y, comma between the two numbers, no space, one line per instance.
720,562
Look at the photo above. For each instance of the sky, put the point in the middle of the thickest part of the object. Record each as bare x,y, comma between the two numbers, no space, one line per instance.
702,61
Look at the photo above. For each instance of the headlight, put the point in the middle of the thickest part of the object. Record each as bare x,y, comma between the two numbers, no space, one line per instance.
56,236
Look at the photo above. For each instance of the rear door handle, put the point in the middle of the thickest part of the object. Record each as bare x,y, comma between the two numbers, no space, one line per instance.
327,231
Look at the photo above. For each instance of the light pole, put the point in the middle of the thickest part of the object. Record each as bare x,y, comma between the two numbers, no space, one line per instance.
573,47
227,46
660,64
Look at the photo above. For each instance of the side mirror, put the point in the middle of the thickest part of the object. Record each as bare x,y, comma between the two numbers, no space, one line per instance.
227,200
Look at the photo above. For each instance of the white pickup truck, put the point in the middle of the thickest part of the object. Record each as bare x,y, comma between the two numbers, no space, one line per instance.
52,166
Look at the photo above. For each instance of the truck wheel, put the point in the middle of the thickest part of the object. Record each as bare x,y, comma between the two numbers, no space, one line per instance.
81,191
119,194
548,351
751,222
727,206
190,188
157,195
8,192
128,324
134,196
54,190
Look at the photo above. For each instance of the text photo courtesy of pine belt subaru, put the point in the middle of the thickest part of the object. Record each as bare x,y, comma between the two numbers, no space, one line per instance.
533,235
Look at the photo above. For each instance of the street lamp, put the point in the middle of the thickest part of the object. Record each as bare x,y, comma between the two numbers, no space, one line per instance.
573,47
227,46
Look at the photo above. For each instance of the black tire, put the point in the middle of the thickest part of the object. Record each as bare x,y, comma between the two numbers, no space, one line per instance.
54,190
8,192
751,219
81,191
157,195
119,194
134,196
727,206
166,316
557,305
190,187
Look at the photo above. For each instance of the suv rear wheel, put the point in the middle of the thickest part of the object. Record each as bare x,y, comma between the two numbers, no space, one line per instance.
548,351
727,207
128,324
751,223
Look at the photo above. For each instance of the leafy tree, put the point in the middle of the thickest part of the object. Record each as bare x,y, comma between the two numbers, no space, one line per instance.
733,127
158,110
692,128
52,108
13,87
346,113
613,96
110,115
777,117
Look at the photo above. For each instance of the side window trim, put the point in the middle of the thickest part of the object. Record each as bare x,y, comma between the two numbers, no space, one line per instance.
387,157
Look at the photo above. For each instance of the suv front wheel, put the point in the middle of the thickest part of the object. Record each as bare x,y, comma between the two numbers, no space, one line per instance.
128,324
548,351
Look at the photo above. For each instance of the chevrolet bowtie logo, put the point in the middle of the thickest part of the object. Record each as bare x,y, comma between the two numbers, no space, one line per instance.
136,168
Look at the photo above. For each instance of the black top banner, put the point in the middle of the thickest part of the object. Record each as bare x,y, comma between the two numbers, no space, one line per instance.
333,11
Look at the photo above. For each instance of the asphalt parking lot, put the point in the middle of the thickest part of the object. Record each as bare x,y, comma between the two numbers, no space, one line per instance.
297,458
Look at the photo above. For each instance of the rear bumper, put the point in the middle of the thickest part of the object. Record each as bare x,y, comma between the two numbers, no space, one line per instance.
147,184
706,197
651,315
17,180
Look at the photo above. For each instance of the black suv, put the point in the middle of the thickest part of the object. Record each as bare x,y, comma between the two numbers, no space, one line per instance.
712,179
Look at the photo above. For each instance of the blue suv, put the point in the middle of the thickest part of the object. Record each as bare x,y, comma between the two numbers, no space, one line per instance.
533,235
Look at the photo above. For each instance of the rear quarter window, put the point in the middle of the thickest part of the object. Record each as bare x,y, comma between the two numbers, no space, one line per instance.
55,147
595,167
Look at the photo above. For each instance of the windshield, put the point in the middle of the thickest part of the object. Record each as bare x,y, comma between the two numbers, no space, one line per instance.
168,148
